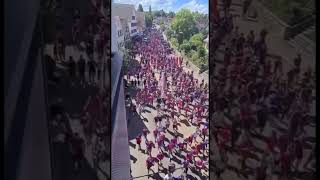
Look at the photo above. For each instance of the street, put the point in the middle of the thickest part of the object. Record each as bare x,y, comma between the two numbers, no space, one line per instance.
136,124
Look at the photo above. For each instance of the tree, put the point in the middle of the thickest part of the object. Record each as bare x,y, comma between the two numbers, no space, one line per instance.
174,42
162,25
162,13
171,14
196,40
148,20
140,8
183,25
186,46
169,33
157,13
150,9
201,52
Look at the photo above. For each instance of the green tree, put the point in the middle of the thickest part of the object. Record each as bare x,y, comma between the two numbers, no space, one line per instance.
171,14
195,58
184,25
186,46
148,20
196,40
169,33
162,25
174,42
156,13
201,52
140,8
150,9
162,13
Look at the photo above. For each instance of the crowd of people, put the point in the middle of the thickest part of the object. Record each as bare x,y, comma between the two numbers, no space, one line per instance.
252,97
162,83
89,37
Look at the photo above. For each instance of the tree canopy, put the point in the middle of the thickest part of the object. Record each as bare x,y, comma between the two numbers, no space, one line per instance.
148,20
184,25
197,40
171,14
140,8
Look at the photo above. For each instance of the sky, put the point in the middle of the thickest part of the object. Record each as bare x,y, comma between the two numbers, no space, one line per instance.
169,5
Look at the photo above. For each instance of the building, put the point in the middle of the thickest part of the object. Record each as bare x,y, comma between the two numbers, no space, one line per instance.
120,153
206,42
127,14
119,31
141,23
125,29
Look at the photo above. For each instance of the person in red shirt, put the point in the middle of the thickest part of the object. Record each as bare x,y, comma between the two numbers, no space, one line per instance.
190,140
149,164
160,156
149,145
138,139
189,156
204,132
199,165
170,149
155,134
181,146
175,125
145,133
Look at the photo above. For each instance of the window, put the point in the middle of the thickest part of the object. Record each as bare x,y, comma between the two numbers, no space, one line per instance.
133,17
133,24
119,33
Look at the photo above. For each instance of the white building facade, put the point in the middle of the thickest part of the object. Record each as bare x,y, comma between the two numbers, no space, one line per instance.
141,22
128,17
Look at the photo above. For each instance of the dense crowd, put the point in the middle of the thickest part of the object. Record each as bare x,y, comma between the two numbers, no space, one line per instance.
251,96
175,94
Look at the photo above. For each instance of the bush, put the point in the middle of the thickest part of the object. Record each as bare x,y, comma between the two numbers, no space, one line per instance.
185,46
201,51
169,33
174,42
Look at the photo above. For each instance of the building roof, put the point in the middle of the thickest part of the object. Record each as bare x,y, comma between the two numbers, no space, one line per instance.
123,10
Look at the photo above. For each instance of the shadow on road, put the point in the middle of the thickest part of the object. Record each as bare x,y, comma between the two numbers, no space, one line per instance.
184,121
133,158
136,124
